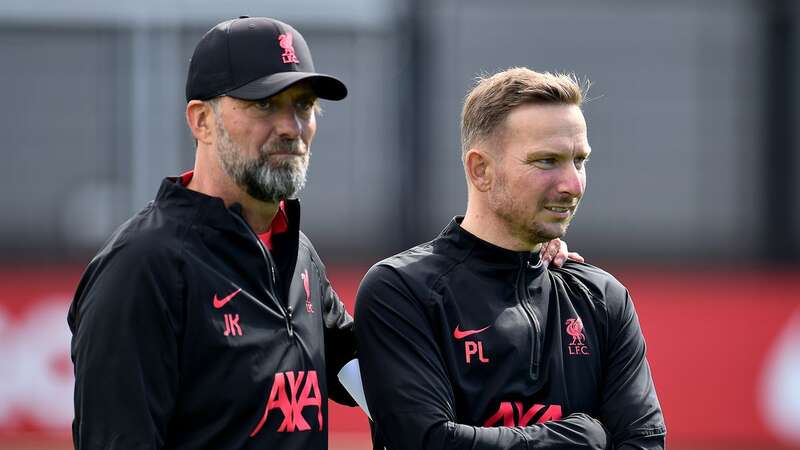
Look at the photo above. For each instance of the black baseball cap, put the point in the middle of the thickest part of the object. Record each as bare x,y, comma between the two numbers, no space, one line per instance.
253,58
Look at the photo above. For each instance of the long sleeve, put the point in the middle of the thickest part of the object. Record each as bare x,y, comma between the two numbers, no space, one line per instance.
125,350
630,407
340,343
408,389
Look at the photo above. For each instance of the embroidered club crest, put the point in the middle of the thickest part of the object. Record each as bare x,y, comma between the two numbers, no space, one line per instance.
575,330
307,287
288,55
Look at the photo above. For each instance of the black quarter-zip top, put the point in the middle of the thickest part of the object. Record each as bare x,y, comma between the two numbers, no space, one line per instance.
188,333
466,345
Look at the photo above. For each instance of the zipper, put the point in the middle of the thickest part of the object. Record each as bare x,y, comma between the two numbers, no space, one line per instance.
289,325
525,301
273,278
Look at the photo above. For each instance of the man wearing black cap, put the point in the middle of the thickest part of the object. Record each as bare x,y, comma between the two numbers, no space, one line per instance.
207,320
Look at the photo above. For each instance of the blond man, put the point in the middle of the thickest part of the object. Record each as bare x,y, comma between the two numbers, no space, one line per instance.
469,341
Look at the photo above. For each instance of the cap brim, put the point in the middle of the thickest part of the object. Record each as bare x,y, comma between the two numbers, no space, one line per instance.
324,86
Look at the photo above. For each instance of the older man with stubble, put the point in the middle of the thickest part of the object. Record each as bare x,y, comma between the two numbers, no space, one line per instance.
469,341
207,320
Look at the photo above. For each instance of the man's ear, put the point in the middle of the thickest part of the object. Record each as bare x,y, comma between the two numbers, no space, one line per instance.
200,118
480,169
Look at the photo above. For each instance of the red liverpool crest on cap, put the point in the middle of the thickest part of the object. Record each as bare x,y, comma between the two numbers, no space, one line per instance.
288,55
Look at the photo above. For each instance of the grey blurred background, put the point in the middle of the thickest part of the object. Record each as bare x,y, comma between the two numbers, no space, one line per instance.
691,119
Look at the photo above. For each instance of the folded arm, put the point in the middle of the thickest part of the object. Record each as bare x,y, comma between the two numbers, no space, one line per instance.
408,389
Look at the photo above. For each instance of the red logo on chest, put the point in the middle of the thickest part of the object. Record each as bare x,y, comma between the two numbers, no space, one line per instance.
232,327
575,330
471,348
301,394
307,287
514,415
220,302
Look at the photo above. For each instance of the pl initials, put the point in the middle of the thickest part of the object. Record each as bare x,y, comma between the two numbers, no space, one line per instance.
472,348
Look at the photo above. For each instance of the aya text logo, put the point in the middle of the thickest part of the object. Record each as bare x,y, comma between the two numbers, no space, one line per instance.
514,414
303,391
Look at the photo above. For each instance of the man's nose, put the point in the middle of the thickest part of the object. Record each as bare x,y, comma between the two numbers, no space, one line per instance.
572,181
288,124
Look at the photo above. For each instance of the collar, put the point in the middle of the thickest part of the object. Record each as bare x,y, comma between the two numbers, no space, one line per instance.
486,252
279,225
212,210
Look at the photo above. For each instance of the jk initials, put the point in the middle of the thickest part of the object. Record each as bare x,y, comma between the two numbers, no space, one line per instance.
472,348
232,325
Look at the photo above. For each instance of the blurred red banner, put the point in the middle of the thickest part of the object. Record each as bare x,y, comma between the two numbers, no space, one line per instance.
724,347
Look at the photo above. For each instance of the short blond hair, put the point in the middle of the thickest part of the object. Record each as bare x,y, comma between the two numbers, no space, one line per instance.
492,98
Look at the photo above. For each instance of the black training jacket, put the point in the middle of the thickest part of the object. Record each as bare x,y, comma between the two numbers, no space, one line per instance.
465,345
189,334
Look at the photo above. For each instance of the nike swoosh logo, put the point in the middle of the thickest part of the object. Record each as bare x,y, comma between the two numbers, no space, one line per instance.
458,334
220,302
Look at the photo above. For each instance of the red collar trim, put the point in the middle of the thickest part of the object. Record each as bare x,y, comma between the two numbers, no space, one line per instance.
280,223
186,177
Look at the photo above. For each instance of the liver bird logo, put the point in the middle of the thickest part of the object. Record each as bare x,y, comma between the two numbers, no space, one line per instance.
575,329
307,287
286,43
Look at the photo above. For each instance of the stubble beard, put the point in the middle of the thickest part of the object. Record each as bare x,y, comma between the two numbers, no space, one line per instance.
259,177
519,218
